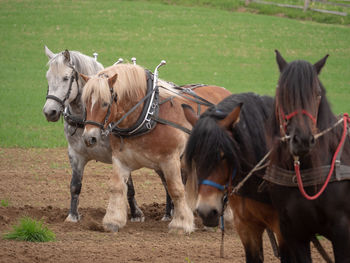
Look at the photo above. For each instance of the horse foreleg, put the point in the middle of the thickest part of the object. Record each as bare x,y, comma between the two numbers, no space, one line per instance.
251,238
340,239
136,213
169,207
116,212
183,216
77,163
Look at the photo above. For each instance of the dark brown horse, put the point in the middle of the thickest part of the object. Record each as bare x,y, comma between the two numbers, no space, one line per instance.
310,151
117,96
226,142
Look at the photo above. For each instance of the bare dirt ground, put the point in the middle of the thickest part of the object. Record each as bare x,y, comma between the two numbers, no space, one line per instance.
35,183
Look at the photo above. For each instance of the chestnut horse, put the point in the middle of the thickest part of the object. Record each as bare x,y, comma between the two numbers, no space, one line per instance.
115,96
310,151
226,142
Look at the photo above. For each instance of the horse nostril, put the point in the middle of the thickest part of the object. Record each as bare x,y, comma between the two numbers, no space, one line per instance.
213,213
312,140
93,140
296,139
52,113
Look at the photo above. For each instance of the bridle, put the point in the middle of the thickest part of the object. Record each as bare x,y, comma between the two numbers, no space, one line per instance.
114,98
73,77
227,192
284,119
226,189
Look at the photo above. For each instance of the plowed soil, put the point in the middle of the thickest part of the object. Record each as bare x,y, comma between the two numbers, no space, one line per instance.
35,183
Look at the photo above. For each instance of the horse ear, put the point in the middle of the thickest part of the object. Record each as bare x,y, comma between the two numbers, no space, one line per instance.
282,63
84,77
232,118
49,53
112,80
190,115
66,55
319,64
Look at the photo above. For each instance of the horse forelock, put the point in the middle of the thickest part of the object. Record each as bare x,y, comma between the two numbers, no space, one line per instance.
96,89
208,142
207,156
298,88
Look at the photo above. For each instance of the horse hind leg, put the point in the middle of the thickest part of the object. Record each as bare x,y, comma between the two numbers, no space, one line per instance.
77,163
169,206
136,213
183,217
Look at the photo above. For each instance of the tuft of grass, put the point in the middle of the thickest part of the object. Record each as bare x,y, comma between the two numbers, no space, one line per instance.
4,202
30,230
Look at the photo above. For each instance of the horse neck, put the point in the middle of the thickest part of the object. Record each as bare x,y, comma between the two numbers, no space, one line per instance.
76,105
124,107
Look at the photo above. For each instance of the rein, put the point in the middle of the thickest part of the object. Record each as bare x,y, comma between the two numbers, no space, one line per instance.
345,120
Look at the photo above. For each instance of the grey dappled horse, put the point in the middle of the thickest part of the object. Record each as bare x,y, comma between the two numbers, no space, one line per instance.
64,92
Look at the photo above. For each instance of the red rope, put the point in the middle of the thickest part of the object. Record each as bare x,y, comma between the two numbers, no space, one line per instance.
305,112
297,168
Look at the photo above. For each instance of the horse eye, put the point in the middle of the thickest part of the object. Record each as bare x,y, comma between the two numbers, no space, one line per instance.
104,104
65,78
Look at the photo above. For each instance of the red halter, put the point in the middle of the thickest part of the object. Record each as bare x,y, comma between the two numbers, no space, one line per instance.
285,118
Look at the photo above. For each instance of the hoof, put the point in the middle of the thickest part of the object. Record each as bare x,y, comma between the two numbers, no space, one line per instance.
210,229
166,218
110,228
137,219
72,218
176,231
137,216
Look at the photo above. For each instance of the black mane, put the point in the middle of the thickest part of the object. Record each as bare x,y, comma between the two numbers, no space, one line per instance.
208,141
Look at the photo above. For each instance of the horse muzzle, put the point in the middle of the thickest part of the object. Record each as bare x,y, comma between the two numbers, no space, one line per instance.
52,114
91,137
210,215
301,145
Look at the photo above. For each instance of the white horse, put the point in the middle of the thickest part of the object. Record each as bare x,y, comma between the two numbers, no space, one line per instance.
65,87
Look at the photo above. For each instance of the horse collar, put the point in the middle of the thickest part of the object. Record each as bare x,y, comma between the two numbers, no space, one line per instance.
146,122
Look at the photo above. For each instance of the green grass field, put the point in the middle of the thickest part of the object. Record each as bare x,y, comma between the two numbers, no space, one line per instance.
200,45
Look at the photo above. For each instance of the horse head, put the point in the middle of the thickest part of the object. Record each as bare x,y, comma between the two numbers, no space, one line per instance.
210,161
298,97
63,80
100,102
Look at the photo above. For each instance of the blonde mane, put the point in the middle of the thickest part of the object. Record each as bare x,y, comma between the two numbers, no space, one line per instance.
131,84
